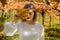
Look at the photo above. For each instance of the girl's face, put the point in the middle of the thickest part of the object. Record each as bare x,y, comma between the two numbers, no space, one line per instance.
30,15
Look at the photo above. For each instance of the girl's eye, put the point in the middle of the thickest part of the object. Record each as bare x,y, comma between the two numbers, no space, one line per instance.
30,13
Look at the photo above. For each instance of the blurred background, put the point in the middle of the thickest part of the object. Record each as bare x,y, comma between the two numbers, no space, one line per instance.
49,17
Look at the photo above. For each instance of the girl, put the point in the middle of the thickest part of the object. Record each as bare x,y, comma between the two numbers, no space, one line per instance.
29,29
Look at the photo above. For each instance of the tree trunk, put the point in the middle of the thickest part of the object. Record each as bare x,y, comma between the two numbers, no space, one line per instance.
42,17
3,2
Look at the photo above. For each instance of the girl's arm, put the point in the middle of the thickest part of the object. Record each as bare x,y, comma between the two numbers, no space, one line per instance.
41,33
9,29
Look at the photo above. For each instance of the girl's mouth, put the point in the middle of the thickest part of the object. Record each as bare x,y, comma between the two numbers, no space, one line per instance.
28,18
